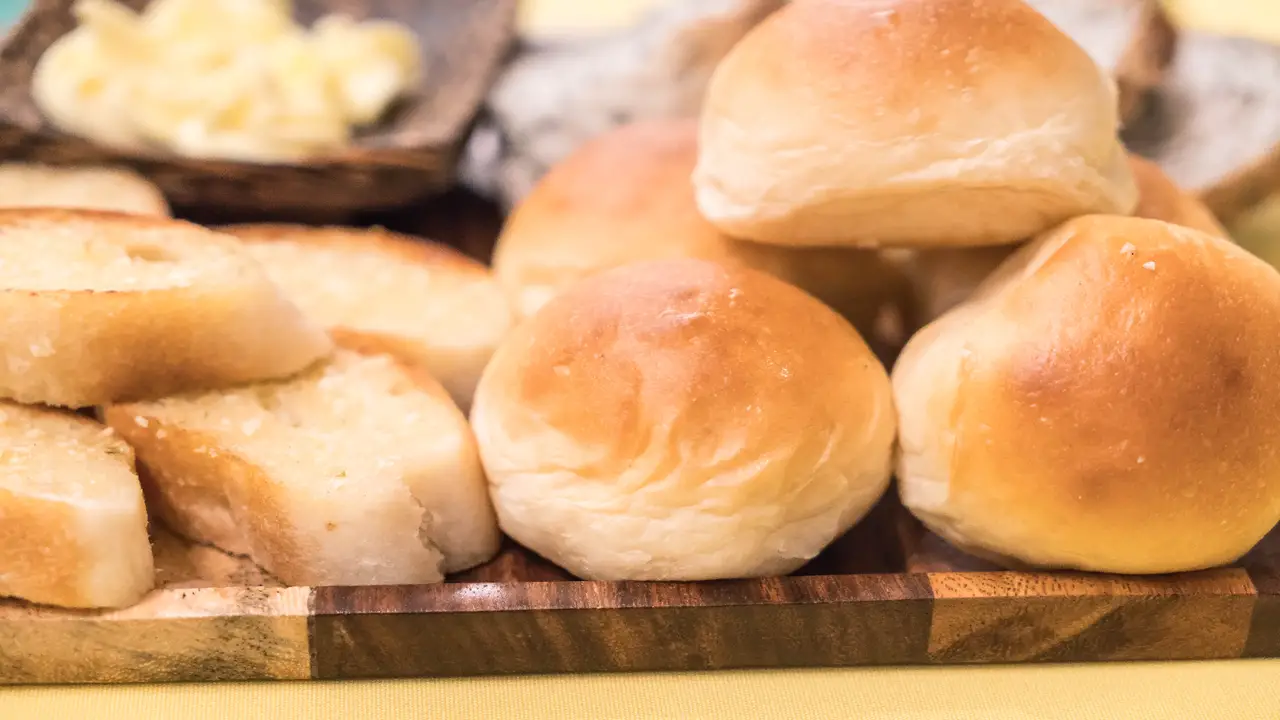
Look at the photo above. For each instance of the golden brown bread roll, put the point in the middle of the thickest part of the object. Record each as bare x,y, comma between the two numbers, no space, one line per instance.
943,277
1159,198
682,420
626,196
1109,400
908,122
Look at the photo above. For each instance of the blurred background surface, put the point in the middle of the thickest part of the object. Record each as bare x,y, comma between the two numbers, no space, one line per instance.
1256,18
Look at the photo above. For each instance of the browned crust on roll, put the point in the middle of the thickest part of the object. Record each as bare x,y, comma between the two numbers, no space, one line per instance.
1108,400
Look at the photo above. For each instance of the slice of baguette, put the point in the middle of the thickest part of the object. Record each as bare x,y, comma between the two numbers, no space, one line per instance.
100,307
424,301
28,185
361,471
73,528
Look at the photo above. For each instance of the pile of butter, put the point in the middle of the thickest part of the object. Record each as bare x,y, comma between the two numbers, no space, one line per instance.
230,79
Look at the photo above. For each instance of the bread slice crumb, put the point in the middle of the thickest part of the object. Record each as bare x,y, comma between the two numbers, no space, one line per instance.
73,527
422,300
102,307
361,471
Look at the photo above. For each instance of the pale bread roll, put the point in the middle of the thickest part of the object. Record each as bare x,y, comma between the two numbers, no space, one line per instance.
86,188
101,307
680,420
908,122
421,300
73,527
944,277
626,196
1108,400
361,471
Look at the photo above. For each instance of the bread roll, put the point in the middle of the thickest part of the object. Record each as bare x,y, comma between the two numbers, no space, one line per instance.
362,471
681,420
626,197
1160,199
100,307
421,300
943,277
88,188
73,528
1108,400
908,122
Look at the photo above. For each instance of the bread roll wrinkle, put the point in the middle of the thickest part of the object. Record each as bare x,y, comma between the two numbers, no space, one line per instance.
1107,400
908,122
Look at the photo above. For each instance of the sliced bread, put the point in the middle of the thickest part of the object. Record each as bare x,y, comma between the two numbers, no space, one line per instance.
361,471
88,188
101,307
422,300
73,528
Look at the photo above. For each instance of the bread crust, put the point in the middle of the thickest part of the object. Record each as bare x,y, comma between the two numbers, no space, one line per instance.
944,277
118,189
433,342
1159,198
79,348
681,420
413,249
1108,400
627,196
917,123
435,522
60,547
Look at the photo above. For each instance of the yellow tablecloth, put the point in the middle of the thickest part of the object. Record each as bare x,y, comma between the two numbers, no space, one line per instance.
1236,690
1229,690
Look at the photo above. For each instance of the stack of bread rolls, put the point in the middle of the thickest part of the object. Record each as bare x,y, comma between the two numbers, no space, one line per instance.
1094,386
670,371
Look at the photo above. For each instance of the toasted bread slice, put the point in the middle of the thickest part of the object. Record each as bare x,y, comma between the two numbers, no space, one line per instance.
26,185
424,301
361,471
101,307
73,527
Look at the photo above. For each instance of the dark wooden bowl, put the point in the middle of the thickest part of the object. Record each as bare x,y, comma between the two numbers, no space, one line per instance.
412,153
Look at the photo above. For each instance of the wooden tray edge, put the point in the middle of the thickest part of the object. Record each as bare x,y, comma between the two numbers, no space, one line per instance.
463,629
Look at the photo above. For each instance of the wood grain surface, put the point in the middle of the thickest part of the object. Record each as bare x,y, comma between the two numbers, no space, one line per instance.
1263,566
218,617
594,626
1024,617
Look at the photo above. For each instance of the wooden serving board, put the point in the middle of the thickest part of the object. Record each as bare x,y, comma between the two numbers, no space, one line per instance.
887,593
